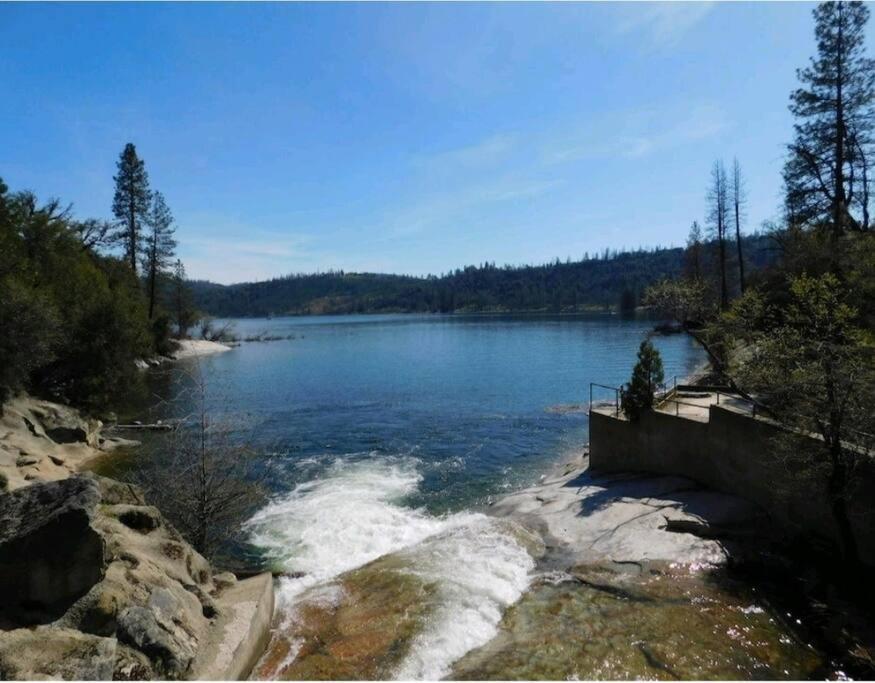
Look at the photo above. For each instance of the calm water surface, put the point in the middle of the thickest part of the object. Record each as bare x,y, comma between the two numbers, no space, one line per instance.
479,403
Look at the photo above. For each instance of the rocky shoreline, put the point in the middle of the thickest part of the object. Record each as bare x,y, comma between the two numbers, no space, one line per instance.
97,585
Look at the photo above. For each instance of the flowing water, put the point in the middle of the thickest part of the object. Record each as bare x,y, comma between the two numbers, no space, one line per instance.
386,438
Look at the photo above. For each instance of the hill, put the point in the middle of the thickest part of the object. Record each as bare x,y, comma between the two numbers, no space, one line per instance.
613,279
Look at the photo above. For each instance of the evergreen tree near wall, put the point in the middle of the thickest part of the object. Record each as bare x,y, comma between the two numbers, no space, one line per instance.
647,375
826,174
131,203
159,245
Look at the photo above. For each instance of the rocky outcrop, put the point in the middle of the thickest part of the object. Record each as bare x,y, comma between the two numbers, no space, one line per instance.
50,555
94,584
45,441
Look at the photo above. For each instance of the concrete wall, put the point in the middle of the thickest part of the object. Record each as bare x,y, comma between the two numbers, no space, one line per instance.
736,454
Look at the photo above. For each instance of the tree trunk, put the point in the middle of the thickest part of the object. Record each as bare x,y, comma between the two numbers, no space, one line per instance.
838,171
738,242
724,295
132,227
837,490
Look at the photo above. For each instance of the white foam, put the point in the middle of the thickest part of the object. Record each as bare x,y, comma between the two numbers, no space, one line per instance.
353,515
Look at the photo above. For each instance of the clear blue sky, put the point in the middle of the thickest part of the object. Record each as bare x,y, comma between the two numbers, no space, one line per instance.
403,138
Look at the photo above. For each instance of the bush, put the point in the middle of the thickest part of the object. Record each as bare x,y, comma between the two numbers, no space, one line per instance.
637,396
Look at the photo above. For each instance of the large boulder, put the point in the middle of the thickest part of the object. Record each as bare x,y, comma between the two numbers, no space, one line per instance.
104,577
50,556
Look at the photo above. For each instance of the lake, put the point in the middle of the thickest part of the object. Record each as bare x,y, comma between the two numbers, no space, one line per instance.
388,435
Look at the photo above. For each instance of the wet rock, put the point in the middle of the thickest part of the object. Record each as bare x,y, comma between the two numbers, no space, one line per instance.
358,629
49,553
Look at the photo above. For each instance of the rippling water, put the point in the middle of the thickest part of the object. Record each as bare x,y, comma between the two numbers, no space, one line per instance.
386,437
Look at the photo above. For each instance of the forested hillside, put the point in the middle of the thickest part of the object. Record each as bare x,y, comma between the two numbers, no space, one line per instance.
610,280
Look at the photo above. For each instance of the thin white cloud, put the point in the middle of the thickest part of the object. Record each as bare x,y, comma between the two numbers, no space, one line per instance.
637,134
660,24
486,152
442,209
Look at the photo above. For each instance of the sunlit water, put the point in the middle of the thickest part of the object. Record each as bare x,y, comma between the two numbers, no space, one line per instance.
385,438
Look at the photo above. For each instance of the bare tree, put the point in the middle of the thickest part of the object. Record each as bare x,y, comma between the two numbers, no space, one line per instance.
718,219
210,483
739,199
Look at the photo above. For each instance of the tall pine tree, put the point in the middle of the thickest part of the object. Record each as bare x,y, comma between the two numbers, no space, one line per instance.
160,246
130,205
826,173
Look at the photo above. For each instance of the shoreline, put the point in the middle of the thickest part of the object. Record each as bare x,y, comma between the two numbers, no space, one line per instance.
100,585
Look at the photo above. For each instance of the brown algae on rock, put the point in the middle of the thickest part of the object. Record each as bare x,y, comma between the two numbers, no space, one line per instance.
667,624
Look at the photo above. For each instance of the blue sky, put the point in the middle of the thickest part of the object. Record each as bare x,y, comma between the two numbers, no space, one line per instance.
409,138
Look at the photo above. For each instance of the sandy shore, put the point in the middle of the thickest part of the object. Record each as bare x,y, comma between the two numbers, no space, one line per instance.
190,348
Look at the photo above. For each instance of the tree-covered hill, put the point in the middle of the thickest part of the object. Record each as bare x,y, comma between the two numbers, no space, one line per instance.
612,279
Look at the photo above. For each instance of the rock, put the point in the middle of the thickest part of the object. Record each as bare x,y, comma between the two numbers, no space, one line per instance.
140,518
26,461
114,492
49,554
63,424
224,580
139,627
57,460
56,653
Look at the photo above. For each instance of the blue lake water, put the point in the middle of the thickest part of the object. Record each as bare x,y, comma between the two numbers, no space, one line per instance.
386,436
480,402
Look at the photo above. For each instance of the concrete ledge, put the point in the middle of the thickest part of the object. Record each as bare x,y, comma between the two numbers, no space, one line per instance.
241,631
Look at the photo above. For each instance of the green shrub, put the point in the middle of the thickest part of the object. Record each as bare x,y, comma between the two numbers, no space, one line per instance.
637,396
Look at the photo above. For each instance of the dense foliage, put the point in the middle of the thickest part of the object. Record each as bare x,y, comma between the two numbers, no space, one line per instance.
72,322
799,338
73,317
610,280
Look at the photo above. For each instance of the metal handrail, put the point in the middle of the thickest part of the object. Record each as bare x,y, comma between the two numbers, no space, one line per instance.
616,391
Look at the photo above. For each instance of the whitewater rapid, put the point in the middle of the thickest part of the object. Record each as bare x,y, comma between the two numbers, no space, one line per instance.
353,513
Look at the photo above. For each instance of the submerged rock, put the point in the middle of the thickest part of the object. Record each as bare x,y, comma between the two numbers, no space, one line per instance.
664,623
358,628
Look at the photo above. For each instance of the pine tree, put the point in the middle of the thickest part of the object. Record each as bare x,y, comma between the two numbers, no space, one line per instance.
183,312
647,375
693,256
826,173
130,205
160,245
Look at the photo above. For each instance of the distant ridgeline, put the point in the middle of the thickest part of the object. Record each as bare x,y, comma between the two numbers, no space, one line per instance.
610,280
